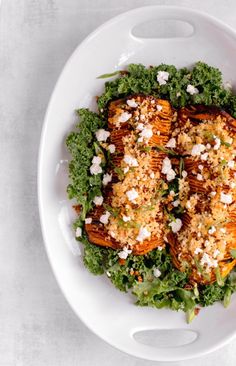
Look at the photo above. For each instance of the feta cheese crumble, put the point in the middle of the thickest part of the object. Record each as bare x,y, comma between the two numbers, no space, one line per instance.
231,164
156,272
217,143
199,177
106,179
167,169
162,77
130,161
97,160
226,198
124,253
112,148
192,90
126,218
95,169
206,259
146,133
184,174
216,253
204,156
198,149
78,232
212,230
171,143
98,200
176,225
105,217
132,195
126,169
124,117
176,203
102,135
143,234
88,220
198,250
159,107
140,126
131,103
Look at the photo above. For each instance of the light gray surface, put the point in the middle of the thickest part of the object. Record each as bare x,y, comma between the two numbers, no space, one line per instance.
37,326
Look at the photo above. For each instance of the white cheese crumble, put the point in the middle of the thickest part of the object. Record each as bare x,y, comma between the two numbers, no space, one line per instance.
97,160
184,174
124,253
152,175
98,200
170,175
231,164
106,179
172,193
176,203
132,195
112,148
200,167
166,165
105,217
160,248
198,250
140,126
226,198
88,220
78,232
208,146
198,149
216,253
212,230
176,225
217,143
102,135
162,77
156,272
206,259
192,90
232,185
171,143
223,230
126,169
140,139
212,194
131,103
159,107
130,161
146,133
143,234
126,218
124,117
199,177
204,156
95,169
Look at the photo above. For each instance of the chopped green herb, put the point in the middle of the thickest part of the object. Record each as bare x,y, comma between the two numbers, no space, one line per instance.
105,76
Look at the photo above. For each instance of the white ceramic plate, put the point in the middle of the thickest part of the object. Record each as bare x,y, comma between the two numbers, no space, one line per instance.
106,311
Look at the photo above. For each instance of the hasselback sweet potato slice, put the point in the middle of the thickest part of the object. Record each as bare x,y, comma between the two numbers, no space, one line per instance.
132,207
205,137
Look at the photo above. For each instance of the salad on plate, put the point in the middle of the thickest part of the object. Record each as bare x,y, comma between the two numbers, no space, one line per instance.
153,180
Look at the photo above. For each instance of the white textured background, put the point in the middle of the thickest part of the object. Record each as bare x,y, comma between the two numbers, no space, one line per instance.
37,327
